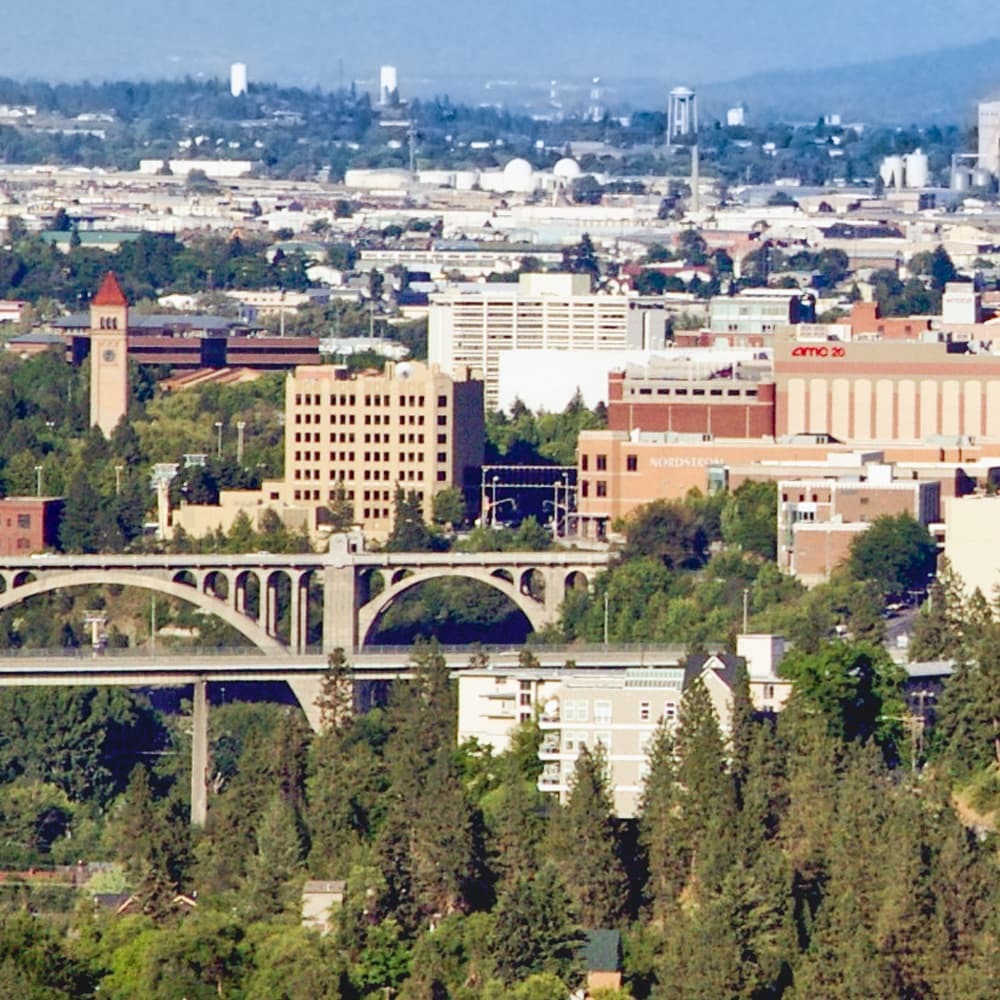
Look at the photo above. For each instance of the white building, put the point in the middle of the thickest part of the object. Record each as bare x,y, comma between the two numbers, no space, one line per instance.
619,709
989,136
473,325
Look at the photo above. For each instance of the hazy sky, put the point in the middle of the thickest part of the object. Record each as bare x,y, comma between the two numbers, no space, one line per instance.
304,42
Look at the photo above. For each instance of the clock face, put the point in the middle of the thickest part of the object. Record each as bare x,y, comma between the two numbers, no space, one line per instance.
108,356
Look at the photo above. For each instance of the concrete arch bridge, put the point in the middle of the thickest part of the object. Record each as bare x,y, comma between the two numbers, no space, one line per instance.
353,588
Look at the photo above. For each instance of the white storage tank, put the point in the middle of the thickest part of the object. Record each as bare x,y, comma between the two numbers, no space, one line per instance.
982,178
960,179
917,170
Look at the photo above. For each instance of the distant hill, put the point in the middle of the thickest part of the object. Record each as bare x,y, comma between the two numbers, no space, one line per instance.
936,87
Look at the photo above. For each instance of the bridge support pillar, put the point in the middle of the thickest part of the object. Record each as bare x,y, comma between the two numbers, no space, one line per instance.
555,594
306,691
295,631
199,754
340,609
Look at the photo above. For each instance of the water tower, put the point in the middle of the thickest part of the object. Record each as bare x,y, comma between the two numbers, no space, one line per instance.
388,86
238,79
682,114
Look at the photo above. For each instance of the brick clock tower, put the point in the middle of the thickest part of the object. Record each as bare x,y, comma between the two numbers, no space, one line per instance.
108,356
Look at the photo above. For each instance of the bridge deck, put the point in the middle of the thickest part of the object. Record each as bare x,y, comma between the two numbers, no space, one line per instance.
131,667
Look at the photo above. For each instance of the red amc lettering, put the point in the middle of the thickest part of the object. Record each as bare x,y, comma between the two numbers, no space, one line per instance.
818,352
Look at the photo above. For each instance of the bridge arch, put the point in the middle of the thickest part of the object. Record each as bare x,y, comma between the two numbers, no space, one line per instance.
369,613
46,582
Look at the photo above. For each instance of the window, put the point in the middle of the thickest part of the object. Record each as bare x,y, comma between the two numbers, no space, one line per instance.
644,711
602,712
575,711
24,520
632,463
602,488
524,699
670,711
602,463
584,462
585,488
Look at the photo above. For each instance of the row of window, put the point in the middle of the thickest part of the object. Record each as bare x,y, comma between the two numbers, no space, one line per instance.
316,399
314,437
600,488
693,392
577,711
376,419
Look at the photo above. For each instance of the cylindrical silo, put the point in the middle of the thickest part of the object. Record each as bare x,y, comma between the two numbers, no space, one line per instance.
916,169
960,179
982,178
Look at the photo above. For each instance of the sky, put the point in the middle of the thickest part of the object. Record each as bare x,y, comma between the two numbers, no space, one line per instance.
320,42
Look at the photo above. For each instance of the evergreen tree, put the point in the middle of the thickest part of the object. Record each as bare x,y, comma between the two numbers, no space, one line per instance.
409,532
707,804
583,844
939,631
967,731
660,826
532,930
276,862
153,844
336,695
446,853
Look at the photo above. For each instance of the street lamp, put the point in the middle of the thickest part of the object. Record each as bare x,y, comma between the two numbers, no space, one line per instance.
493,503
218,428
118,479
240,428
38,480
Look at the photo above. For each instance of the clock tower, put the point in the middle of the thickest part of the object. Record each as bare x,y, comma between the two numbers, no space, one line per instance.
108,355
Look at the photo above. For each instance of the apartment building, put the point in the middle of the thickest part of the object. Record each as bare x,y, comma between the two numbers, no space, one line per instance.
473,325
367,433
619,709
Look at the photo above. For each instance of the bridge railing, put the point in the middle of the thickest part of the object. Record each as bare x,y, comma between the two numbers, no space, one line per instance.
507,651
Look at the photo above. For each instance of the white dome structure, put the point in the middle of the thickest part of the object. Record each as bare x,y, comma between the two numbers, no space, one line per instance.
566,169
519,175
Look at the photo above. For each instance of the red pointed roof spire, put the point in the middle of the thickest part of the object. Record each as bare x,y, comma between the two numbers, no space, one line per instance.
110,293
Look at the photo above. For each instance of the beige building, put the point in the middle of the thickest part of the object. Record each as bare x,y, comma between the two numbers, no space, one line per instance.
473,325
620,709
887,391
367,434
972,541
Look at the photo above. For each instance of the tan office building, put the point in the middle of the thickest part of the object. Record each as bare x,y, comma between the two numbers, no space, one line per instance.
411,427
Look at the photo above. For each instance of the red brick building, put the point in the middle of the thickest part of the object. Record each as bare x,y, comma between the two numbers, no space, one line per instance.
29,524
732,402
